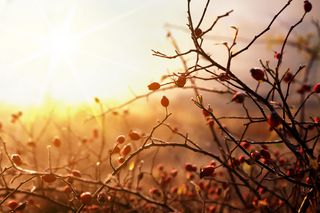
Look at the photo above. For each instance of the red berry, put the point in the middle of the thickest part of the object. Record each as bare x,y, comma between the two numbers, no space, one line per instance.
265,153
316,88
164,101
257,74
245,145
238,97
121,139
174,172
86,197
274,120
115,149
190,168
181,80
288,77
16,159
67,189
255,155
290,172
126,150
277,55
304,88
206,171
223,77
261,190
12,204
134,135
155,192
121,159
56,142
242,159
49,178
308,180
307,6
154,86
198,32
212,209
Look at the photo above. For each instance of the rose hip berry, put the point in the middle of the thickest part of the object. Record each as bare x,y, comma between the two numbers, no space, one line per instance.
316,88
198,32
86,197
154,86
164,101
257,74
307,6
274,120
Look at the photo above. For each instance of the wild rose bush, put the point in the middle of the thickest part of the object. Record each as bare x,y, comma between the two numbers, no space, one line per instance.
242,173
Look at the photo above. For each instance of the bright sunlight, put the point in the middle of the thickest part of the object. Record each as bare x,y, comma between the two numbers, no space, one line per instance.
72,53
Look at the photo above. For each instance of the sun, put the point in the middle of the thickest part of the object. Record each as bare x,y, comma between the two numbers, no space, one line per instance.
61,44
61,58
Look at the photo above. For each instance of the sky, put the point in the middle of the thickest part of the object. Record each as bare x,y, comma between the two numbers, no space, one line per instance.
74,50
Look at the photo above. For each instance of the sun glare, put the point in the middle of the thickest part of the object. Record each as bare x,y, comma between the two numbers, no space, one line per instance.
61,44
60,58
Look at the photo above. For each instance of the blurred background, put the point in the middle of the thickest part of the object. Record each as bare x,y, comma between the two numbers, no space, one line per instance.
68,52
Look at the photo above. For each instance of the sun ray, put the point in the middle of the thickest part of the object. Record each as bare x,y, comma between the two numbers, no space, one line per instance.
113,20
33,56
60,46
105,59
